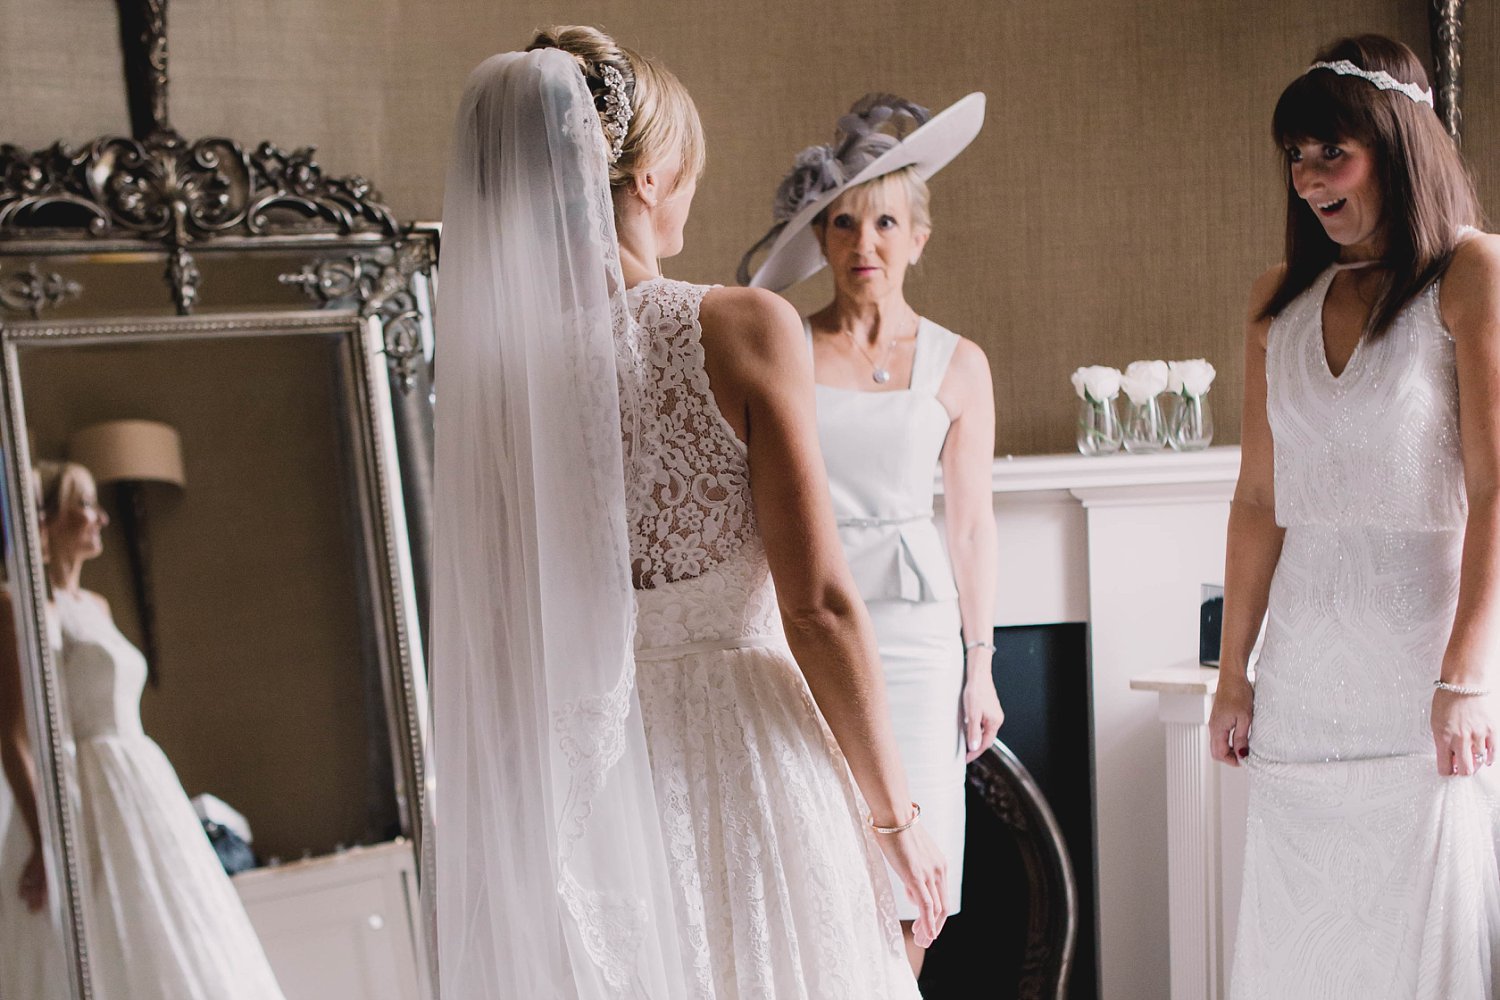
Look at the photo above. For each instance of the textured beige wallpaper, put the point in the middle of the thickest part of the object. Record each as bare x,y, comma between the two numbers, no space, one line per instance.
1481,105
1119,202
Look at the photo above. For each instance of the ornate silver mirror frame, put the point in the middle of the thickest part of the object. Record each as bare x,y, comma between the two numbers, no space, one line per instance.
386,553
199,209
1446,19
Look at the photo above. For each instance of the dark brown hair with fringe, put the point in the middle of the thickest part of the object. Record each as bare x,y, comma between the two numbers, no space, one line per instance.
1426,190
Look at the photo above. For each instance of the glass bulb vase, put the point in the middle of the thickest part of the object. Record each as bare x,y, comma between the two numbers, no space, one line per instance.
1144,429
1192,424
1098,427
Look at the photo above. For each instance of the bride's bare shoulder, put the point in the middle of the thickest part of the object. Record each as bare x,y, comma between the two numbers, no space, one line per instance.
749,325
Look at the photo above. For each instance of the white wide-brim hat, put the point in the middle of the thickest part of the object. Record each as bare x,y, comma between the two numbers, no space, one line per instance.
795,254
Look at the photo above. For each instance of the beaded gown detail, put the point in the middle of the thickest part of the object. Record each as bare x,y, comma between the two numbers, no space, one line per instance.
779,888
164,921
1367,874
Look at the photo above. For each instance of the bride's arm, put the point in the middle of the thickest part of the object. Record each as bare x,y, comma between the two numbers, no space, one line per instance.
761,375
766,378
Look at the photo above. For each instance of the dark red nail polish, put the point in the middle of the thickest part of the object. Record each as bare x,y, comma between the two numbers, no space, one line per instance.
1244,751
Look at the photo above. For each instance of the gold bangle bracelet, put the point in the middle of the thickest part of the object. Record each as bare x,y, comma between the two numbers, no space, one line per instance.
916,815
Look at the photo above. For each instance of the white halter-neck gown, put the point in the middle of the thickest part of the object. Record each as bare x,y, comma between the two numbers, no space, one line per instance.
1367,874
881,449
780,889
164,921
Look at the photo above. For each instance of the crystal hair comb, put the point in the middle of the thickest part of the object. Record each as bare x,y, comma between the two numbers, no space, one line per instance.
1378,77
615,111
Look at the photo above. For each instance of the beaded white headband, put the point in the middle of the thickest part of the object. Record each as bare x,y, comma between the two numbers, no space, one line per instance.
1379,78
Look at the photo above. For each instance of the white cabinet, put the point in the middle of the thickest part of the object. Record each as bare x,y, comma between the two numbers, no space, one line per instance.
345,925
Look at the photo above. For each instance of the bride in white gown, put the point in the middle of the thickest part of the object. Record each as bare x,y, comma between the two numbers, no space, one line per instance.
163,920
1366,523
637,792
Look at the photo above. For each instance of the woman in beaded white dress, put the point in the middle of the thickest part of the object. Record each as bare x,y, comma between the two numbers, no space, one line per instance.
646,755
1366,529
900,397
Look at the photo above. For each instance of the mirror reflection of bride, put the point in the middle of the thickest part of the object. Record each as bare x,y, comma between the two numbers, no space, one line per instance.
167,922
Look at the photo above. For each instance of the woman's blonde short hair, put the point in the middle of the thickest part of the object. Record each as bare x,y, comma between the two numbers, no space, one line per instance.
881,191
664,127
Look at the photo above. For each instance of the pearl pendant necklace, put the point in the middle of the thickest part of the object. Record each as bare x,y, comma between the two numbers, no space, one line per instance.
879,372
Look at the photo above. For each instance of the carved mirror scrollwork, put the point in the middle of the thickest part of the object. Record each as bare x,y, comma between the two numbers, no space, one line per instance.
383,283
274,324
166,190
1446,19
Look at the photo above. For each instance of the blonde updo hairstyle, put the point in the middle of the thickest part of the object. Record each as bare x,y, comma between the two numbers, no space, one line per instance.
60,484
56,486
664,127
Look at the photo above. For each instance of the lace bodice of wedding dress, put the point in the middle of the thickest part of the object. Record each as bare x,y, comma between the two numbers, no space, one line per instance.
688,486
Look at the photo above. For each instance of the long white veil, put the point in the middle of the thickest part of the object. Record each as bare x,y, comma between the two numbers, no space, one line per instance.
551,875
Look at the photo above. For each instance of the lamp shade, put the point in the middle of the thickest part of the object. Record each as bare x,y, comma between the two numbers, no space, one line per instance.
132,450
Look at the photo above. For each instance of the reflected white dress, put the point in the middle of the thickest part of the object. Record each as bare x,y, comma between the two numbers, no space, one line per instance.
881,450
779,888
1367,874
164,921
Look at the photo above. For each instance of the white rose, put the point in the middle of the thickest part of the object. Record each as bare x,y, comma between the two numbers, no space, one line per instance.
1143,380
1190,378
1097,383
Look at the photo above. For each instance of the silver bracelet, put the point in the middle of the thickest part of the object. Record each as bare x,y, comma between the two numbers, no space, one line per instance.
979,644
1463,689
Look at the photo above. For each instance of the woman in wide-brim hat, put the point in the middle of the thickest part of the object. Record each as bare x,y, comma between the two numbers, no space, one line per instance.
897,397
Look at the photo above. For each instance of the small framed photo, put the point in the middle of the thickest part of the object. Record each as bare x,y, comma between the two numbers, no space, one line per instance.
1210,623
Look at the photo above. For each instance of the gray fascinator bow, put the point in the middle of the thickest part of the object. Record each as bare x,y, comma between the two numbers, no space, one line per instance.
875,124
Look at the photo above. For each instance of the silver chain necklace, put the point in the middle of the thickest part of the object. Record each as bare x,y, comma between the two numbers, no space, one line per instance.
881,373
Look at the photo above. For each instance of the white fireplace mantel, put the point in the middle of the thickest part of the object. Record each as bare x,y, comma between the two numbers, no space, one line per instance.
1039,473
1124,543
1041,505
